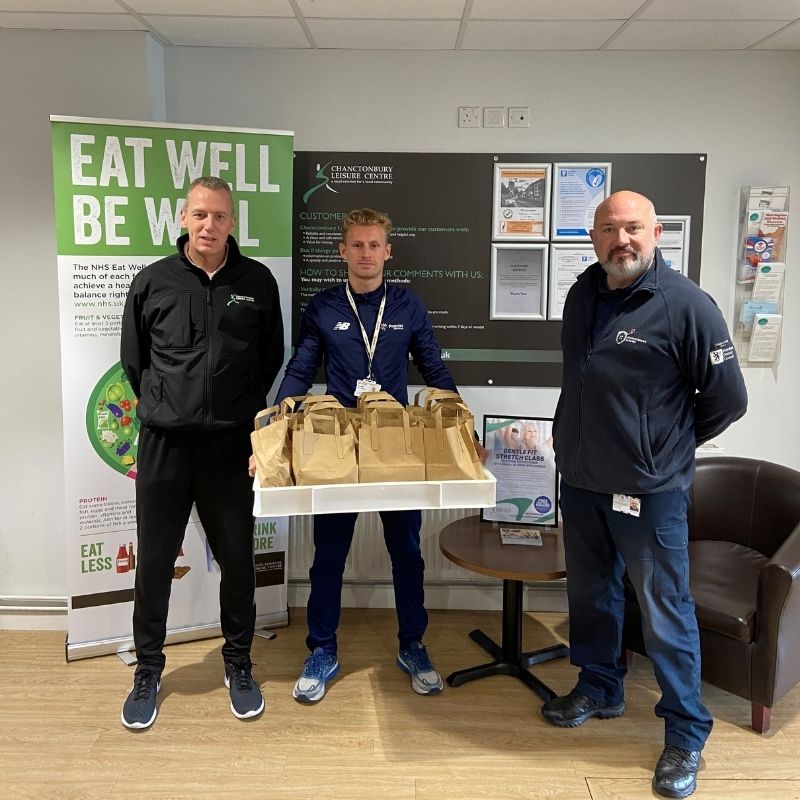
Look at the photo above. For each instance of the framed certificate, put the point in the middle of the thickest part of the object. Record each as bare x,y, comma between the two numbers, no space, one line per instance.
674,241
577,191
519,281
521,205
567,261
520,456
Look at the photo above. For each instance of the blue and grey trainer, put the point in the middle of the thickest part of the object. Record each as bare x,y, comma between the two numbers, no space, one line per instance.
246,698
424,677
318,669
140,709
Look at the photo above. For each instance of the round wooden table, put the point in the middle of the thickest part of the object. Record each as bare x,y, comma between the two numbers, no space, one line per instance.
476,546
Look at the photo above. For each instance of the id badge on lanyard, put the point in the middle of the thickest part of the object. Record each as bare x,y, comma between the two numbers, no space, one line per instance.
368,384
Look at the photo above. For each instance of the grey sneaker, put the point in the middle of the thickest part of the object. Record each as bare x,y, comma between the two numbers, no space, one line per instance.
318,669
424,677
140,709
246,698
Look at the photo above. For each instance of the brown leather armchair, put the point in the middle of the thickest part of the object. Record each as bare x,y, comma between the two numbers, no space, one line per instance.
744,555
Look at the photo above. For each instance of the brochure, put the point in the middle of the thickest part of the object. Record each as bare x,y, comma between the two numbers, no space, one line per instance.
769,282
766,334
521,536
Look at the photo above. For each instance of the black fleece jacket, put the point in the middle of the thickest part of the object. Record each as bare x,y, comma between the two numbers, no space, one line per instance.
200,353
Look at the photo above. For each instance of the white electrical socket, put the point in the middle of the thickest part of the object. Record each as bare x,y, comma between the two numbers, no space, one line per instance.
519,117
469,117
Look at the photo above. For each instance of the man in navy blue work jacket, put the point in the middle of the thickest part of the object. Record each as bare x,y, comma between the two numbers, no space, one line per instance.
363,331
649,374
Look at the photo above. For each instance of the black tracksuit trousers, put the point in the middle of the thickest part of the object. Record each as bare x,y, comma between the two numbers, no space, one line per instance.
176,469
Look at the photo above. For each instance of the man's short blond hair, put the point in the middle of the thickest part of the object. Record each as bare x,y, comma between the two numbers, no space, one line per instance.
366,217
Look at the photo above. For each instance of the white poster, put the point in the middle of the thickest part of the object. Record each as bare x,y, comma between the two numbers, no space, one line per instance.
567,262
119,187
578,189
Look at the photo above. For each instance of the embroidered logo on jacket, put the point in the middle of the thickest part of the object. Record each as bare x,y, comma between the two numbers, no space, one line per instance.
392,326
627,336
723,352
341,326
240,298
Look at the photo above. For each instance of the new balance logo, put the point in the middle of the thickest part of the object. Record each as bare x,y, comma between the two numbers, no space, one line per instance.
341,326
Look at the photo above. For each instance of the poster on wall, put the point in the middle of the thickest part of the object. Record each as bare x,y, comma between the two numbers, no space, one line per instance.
577,191
519,281
119,188
567,262
520,456
674,241
521,207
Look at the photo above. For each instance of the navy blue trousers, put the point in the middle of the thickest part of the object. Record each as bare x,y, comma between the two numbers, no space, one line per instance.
333,535
600,545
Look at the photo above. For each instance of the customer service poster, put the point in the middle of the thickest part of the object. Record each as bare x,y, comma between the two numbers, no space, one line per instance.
119,188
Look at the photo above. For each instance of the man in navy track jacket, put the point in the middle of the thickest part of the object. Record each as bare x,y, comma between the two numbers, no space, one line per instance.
363,332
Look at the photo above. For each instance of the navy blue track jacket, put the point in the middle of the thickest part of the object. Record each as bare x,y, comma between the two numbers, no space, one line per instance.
660,379
330,334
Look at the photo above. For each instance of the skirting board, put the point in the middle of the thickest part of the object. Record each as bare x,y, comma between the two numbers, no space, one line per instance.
30,614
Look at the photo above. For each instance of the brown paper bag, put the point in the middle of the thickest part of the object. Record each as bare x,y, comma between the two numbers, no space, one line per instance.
450,453
390,448
367,398
426,398
324,449
271,448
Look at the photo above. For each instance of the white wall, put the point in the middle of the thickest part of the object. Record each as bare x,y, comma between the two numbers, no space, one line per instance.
43,73
719,103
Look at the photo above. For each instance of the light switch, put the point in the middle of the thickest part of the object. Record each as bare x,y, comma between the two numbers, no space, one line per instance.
494,117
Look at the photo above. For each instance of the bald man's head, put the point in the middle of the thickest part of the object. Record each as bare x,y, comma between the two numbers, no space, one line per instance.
624,236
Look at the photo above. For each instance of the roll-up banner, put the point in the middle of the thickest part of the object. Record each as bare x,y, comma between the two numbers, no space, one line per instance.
119,189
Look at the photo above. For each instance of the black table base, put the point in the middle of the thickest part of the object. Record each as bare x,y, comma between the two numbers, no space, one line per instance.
509,658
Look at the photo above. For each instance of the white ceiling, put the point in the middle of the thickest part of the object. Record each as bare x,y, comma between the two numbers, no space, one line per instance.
502,25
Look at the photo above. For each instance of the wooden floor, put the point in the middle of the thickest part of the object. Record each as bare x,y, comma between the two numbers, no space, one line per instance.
371,737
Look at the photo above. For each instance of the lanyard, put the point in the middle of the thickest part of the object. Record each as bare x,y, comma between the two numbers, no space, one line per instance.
370,346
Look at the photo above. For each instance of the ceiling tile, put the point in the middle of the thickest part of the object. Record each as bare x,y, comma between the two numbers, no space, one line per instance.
60,6
787,39
693,35
547,35
213,8
358,34
233,32
71,22
553,9
722,9
382,9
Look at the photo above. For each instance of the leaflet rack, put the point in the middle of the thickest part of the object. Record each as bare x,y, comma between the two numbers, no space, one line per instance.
760,274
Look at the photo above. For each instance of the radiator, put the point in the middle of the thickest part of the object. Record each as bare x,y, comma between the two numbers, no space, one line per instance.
368,575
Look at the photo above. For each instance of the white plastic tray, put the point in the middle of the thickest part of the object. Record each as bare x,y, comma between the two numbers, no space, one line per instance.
338,498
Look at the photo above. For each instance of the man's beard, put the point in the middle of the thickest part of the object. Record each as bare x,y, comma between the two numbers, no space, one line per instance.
627,268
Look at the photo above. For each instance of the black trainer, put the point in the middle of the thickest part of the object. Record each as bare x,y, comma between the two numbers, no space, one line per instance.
575,708
246,699
676,772
140,709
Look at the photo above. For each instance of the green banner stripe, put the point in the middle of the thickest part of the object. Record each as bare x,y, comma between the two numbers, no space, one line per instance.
517,356
119,187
